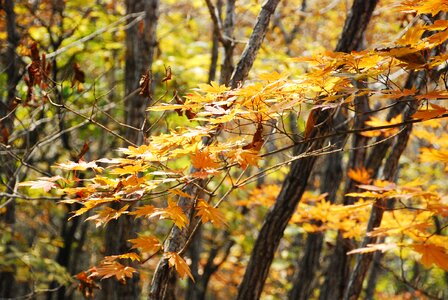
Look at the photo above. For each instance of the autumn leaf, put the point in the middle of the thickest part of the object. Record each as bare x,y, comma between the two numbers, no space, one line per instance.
172,212
202,159
387,132
360,175
432,254
374,247
213,87
79,166
107,270
176,261
427,114
107,214
146,244
45,183
143,211
434,155
209,213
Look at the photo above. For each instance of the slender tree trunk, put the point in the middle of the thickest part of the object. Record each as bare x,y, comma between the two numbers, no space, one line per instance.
390,169
296,181
178,237
7,277
332,176
140,48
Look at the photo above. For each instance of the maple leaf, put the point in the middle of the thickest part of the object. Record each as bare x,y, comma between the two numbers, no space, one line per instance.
143,211
202,159
213,87
111,269
86,284
79,166
172,212
360,175
45,183
107,214
176,261
430,113
432,254
133,168
146,244
434,155
374,247
209,213
375,122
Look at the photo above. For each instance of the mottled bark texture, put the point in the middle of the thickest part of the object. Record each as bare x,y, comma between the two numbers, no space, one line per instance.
296,181
140,48
177,238
390,169
7,169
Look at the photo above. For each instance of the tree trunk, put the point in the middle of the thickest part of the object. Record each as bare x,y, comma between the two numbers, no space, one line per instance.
177,237
295,183
7,171
140,49
390,169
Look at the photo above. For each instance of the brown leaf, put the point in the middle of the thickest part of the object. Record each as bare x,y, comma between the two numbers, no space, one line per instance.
168,74
145,84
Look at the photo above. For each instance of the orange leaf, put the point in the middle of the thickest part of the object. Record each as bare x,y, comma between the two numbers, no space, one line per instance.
209,213
432,254
202,159
172,212
143,211
146,244
107,270
360,175
430,113
174,260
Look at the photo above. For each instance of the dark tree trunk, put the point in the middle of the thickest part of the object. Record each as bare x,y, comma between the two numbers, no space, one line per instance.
332,176
140,49
296,181
7,170
178,237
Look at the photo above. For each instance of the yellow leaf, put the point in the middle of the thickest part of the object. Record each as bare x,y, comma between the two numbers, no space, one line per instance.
80,166
213,87
374,247
174,260
107,214
386,132
172,212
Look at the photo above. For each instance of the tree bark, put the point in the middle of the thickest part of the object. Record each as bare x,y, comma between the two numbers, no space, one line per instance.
390,169
140,49
296,181
178,237
7,277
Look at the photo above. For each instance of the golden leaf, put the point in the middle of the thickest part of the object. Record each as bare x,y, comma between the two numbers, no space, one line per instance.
174,260
146,244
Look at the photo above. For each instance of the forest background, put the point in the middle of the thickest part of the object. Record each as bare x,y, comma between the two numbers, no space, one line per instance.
223,149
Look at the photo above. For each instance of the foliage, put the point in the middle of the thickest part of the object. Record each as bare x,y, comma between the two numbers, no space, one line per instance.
232,145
